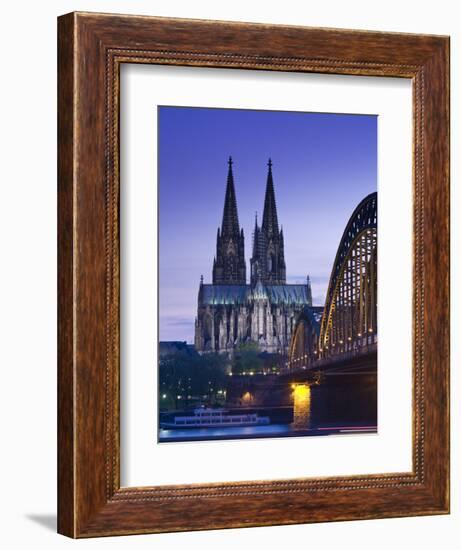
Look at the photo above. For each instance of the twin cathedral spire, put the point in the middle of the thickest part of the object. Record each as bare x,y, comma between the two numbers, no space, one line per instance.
229,264
267,261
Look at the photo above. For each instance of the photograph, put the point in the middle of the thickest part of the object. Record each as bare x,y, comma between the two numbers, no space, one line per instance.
267,274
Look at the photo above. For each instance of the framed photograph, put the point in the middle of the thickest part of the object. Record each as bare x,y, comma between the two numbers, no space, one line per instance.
221,190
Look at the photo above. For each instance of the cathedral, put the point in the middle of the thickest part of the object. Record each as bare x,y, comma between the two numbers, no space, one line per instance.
230,311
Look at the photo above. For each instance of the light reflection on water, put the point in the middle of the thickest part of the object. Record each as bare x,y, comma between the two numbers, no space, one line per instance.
341,406
301,406
228,431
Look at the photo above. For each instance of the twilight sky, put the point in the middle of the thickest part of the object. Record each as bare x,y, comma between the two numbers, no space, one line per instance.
323,166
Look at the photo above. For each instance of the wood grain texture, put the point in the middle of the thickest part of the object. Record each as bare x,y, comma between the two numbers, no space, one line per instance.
91,49
65,136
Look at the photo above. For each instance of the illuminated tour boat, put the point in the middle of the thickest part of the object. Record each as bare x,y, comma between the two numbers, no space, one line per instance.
214,418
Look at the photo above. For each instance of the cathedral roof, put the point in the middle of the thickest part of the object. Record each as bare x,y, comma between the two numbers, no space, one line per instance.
240,294
287,294
224,294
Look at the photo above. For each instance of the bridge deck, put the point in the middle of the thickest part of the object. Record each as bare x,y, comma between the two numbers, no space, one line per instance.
344,364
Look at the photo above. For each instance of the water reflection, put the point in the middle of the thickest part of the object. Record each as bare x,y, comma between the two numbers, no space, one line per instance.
301,406
340,404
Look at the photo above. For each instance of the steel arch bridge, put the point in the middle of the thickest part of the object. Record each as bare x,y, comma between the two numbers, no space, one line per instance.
349,321
304,342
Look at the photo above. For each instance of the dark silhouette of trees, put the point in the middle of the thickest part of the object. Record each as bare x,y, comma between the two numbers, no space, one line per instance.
247,359
184,377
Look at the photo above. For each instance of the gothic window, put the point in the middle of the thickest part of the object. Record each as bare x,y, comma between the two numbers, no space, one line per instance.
231,250
208,325
232,267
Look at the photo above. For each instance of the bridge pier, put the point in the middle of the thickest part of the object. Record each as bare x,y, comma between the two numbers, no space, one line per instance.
277,390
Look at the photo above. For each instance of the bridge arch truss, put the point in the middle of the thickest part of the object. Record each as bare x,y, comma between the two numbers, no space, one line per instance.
349,321
304,342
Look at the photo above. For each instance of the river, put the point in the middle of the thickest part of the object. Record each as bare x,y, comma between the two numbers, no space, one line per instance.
338,407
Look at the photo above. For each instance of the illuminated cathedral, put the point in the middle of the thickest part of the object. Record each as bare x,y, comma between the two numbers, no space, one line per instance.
231,312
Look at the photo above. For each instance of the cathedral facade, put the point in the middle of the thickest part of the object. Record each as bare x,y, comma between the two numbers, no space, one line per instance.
231,312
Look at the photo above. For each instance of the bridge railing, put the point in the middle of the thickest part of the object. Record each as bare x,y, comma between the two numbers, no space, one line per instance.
344,356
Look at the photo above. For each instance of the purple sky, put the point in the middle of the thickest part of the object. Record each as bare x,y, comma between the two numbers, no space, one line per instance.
323,165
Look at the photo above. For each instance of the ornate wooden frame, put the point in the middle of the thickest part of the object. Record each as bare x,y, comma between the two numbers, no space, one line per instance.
91,49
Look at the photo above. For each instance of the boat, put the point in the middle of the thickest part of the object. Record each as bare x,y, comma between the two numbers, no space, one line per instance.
214,418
